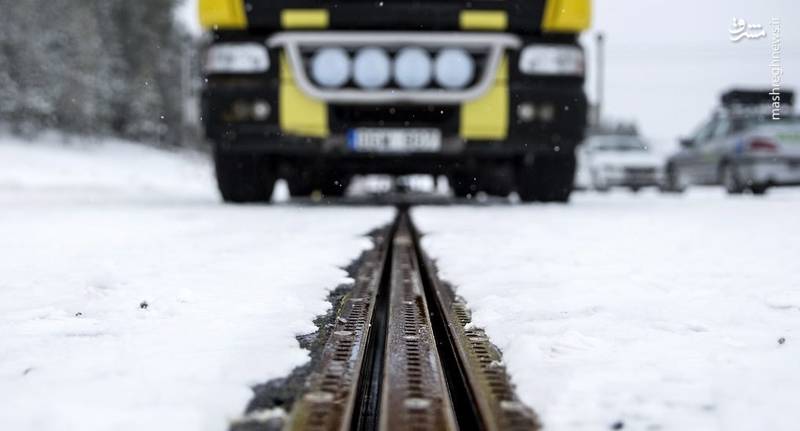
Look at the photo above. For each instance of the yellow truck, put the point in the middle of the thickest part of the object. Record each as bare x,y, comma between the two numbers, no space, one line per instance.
489,93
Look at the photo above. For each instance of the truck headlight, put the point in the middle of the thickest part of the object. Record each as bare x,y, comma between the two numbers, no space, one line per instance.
552,60
237,58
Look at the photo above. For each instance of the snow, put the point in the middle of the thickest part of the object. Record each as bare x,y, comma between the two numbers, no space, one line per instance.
91,230
663,312
55,163
187,15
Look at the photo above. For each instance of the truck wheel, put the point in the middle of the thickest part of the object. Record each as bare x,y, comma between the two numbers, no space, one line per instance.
499,181
550,178
299,188
463,185
301,184
335,186
243,178
730,179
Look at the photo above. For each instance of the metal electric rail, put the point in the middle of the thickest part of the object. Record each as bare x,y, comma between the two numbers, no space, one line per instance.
403,356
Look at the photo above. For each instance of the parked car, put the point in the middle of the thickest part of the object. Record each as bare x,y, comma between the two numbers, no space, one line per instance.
618,160
744,146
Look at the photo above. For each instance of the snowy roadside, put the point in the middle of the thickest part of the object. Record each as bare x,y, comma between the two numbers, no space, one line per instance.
55,164
651,312
90,232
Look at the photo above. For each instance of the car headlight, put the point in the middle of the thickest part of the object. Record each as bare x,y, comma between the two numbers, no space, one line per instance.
237,58
551,60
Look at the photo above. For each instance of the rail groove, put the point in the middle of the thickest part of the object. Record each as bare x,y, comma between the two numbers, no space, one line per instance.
403,355
333,389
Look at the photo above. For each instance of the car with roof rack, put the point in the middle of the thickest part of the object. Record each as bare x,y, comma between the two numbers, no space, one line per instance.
750,143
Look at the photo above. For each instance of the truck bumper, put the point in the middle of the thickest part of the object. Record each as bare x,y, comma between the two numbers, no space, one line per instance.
559,127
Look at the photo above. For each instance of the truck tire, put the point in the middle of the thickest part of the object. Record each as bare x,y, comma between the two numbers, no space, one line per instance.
549,178
301,184
299,188
243,178
335,186
498,181
463,185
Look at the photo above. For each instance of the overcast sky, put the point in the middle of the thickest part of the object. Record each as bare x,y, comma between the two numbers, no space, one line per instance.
668,60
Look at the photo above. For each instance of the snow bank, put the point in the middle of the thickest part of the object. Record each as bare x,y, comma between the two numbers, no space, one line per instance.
664,313
91,232
55,164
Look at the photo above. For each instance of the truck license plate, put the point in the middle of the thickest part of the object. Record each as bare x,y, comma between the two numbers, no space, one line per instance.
395,140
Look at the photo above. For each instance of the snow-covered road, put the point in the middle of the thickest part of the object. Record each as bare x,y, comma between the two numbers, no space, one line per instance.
90,232
652,312
648,311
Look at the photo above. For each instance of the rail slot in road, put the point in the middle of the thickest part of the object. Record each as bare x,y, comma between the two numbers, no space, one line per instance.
403,356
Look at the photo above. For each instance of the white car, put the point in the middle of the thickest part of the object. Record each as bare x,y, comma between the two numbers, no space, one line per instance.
618,160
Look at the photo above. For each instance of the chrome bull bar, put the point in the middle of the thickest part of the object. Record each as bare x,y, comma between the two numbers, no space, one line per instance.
493,44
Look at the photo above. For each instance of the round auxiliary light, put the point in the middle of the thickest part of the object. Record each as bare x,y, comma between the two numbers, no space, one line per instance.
330,67
413,68
372,68
526,112
261,110
454,68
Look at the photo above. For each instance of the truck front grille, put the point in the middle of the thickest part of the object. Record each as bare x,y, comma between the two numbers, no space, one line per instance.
347,116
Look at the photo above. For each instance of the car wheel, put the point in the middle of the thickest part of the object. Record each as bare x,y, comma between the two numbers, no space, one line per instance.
759,189
599,185
674,183
243,178
731,181
550,178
